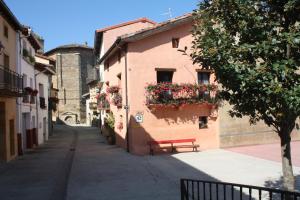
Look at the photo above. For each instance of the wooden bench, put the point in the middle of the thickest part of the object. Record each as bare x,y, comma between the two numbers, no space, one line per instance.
172,144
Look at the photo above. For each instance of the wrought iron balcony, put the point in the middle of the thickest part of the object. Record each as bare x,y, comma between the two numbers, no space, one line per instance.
11,83
54,93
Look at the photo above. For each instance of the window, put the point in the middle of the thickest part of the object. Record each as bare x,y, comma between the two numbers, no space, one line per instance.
6,61
41,90
5,31
175,42
203,122
31,83
119,80
24,80
203,77
164,76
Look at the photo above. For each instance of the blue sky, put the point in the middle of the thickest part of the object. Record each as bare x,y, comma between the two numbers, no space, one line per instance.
75,21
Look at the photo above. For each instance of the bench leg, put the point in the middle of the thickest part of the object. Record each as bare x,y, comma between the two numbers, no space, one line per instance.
172,148
194,147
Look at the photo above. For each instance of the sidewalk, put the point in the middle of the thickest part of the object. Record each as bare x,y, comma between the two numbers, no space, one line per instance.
270,152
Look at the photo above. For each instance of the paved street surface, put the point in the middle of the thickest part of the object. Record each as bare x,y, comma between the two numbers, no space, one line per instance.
270,152
76,163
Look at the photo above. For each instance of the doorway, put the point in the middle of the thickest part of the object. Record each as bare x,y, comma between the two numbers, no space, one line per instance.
2,130
44,128
12,137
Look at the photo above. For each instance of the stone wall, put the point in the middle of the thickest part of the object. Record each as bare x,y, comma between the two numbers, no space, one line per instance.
239,132
70,79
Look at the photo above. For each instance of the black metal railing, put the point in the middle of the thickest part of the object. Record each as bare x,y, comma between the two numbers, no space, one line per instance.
11,83
42,103
211,190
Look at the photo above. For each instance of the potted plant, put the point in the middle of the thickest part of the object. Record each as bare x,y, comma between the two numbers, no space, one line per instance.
108,128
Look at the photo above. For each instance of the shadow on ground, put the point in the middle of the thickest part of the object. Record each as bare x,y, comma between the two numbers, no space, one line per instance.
278,184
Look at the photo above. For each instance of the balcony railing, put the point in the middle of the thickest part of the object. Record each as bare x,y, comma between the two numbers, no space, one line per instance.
53,93
43,103
179,94
11,83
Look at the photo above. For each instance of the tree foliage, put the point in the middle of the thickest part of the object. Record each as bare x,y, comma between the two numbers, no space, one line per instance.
253,48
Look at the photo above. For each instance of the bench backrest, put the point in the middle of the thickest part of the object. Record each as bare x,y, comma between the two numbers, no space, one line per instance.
184,140
172,141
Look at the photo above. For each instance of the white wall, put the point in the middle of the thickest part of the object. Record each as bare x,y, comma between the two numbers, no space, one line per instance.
42,78
24,67
88,113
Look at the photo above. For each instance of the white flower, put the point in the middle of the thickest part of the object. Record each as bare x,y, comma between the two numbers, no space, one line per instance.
237,38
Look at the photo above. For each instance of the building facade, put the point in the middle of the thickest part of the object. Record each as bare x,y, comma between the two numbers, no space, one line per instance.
44,70
104,39
72,63
150,83
92,112
26,105
10,82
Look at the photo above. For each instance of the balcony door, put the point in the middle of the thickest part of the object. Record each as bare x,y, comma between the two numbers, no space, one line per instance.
2,130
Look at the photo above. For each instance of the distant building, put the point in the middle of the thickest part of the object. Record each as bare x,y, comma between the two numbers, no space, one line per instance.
72,64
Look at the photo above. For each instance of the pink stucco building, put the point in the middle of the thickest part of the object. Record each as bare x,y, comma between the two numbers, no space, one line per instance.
150,84
150,56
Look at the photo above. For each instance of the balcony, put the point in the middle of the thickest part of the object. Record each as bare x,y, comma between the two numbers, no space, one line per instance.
11,83
176,95
43,103
54,93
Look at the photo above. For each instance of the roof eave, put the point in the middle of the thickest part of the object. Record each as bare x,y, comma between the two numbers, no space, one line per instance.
111,50
11,18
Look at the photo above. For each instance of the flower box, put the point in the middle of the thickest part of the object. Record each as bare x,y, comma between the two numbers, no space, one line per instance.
178,95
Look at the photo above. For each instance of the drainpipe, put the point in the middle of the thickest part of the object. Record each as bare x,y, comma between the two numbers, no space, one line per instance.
126,101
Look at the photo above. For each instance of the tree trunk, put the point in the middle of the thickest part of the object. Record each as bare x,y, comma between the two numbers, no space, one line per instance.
287,167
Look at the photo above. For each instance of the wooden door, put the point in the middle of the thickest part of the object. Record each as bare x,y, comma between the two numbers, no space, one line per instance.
2,131
12,137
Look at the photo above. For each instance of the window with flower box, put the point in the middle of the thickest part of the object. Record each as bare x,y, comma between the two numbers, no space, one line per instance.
203,78
164,76
179,94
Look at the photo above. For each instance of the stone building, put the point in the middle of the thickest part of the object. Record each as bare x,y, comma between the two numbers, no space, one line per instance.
72,64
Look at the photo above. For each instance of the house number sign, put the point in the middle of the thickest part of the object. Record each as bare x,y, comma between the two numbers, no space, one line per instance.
139,118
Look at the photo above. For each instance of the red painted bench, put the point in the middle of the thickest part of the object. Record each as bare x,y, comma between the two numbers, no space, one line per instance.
173,144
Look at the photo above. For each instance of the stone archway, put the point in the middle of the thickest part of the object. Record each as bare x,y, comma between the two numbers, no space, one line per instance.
69,120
